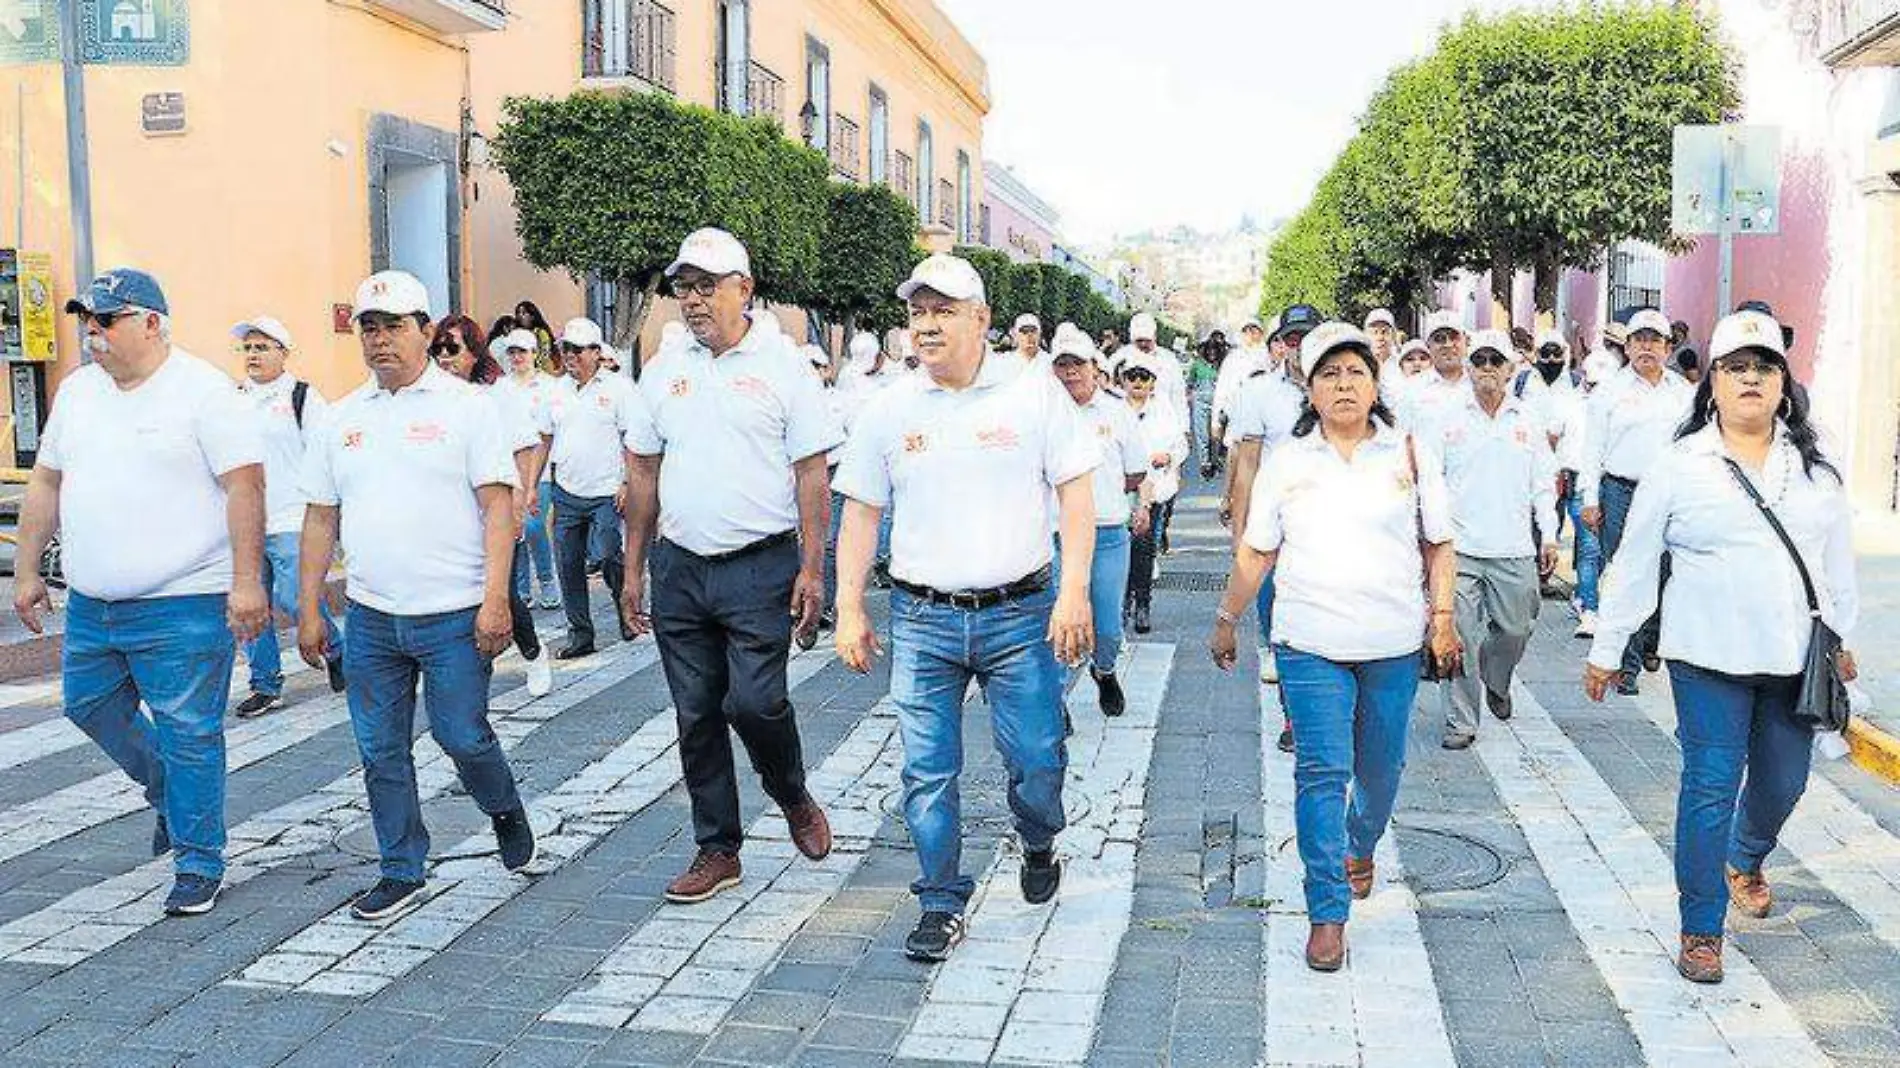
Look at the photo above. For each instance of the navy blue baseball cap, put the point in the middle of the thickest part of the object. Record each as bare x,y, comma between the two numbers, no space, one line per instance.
117,290
1302,318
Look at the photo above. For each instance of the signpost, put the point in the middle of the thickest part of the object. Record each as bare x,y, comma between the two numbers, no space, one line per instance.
1726,180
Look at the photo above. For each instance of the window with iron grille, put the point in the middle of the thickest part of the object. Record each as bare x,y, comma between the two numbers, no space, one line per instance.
845,149
880,135
966,188
901,170
926,170
1635,276
765,94
946,203
984,214
629,39
818,93
732,58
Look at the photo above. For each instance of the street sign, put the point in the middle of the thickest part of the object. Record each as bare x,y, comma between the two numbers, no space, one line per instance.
162,114
29,32
1726,179
134,33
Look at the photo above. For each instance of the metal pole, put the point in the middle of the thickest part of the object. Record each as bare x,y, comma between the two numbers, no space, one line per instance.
78,158
1725,229
19,180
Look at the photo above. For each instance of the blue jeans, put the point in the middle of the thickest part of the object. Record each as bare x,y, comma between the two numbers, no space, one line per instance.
1200,426
1615,498
935,651
176,655
540,548
1108,589
280,581
1728,724
1351,722
1263,607
1586,555
387,654
587,529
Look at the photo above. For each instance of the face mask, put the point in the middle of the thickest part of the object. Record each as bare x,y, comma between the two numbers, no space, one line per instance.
1550,370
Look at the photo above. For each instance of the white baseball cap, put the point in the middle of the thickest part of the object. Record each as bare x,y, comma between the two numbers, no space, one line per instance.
265,325
1072,342
1328,338
1026,319
949,275
1746,330
714,251
1414,345
584,333
392,293
1380,317
1496,340
1446,320
520,339
1551,337
863,348
1651,320
1255,324
1598,366
1142,328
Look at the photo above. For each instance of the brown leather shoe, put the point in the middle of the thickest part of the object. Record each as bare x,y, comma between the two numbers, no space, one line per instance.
1326,947
1749,892
1359,877
710,872
811,831
1701,959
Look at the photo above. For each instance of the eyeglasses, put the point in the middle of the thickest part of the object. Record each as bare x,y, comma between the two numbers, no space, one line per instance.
257,348
1489,359
1137,378
445,348
568,348
704,286
1748,364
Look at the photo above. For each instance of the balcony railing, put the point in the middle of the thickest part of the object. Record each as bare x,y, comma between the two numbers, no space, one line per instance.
902,168
846,150
630,39
1859,33
765,94
946,202
452,16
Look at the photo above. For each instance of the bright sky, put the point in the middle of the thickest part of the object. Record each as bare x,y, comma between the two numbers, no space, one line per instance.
1132,114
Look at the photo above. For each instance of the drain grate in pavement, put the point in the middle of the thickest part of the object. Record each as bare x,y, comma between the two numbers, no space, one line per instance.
1440,861
1192,581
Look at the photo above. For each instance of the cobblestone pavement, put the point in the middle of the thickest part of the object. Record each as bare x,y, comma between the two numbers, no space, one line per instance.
1524,913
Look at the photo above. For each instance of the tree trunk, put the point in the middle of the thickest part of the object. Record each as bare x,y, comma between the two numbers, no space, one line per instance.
1503,277
1550,275
633,303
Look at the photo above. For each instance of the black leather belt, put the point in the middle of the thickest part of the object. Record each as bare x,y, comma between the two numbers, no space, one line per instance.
1626,483
770,541
977,600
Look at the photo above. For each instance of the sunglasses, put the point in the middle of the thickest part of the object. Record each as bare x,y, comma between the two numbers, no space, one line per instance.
568,348
445,348
1137,376
1742,366
1488,359
104,319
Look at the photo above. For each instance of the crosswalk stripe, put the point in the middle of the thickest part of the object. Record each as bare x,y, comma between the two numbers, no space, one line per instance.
95,918
686,968
1614,883
1383,1007
1028,983
342,955
1837,841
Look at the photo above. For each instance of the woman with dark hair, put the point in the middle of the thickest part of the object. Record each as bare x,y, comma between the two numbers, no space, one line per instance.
457,349
503,326
1351,516
1736,619
528,317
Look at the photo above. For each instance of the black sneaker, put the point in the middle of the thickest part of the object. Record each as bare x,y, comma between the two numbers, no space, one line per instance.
337,681
575,651
192,895
161,837
935,935
389,898
257,704
1142,623
1113,701
1626,685
516,838
1285,744
1042,873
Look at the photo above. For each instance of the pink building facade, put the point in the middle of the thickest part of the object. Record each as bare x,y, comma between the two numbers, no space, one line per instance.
1014,220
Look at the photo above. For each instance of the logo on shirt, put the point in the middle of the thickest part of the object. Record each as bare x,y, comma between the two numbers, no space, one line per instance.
353,439
1455,435
426,433
915,443
1000,437
603,402
751,386
1522,436
680,387
1104,431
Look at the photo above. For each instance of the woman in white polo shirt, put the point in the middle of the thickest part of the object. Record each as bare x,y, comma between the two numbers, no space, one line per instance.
1351,516
1164,437
1736,619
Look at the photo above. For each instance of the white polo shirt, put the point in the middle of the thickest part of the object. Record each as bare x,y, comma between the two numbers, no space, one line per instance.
520,427
141,513
967,473
1265,408
1240,365
1501,475
588,425
1425,397
1162,430
539,393
403,467
727,430
284,444
1111,424
1349,583
1631,424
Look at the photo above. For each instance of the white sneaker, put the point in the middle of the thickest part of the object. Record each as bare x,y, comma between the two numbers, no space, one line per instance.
1269,671
540,675
1586,626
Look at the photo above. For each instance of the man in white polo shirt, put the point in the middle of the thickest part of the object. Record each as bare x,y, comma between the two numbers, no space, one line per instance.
585,435
415,472
973,596
289,414
1028,338
727,459
1417,402
152,469
1502,479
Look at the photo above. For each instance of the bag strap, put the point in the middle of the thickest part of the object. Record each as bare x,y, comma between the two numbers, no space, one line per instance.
297,394
1807,583
1418,495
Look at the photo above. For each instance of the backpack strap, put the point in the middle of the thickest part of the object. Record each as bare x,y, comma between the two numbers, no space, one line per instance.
298,393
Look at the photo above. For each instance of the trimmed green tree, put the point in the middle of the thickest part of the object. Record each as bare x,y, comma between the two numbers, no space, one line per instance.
869,248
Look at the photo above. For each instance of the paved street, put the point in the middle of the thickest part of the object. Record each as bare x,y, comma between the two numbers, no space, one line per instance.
1525,913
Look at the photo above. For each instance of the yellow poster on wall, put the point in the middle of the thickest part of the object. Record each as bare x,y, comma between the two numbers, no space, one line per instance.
38,322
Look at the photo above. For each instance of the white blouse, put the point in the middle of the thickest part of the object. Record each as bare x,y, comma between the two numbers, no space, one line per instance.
1734,602
1349,578
1163,431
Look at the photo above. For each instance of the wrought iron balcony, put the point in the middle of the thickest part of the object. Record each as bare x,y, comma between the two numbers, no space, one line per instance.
452,16
1859,33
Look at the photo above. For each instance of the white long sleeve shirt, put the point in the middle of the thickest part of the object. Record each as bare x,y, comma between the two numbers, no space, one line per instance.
1734,602
1163,430
1631,423
1500,474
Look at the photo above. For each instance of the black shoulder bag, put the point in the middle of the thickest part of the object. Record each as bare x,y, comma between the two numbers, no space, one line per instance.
1822,703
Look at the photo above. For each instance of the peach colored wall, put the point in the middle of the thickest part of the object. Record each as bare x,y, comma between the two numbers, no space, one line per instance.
248,211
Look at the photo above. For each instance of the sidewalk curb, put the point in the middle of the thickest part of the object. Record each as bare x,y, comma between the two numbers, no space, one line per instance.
1874,750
